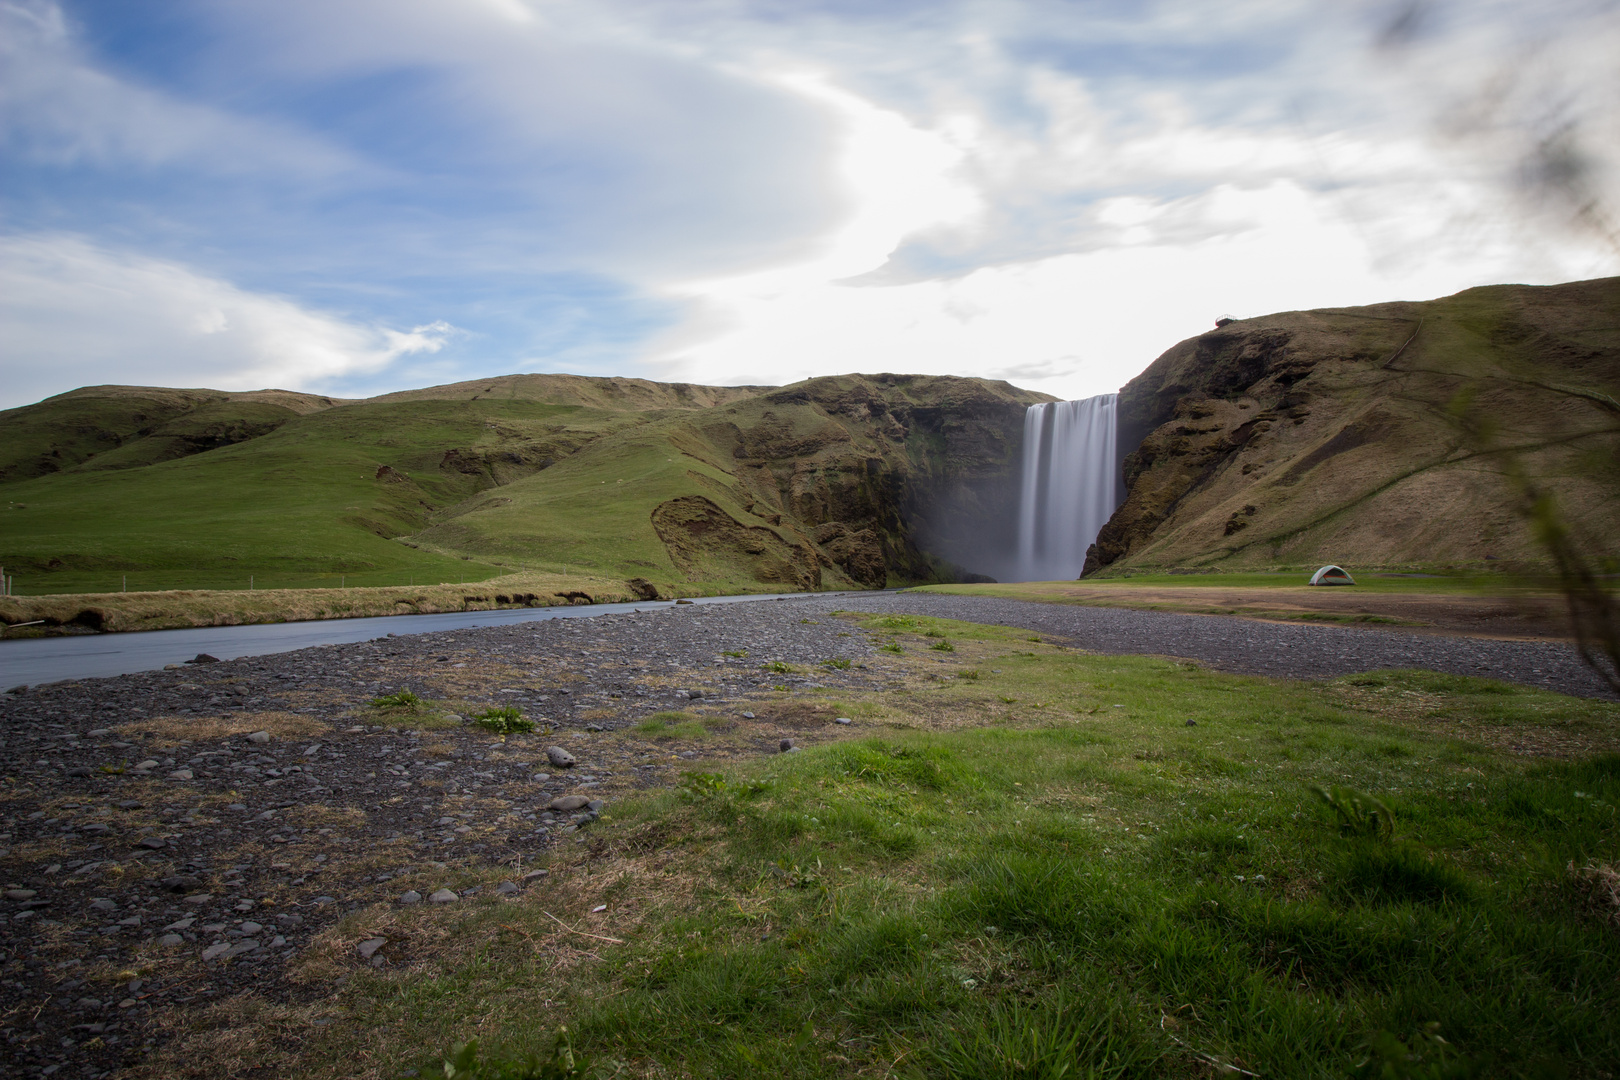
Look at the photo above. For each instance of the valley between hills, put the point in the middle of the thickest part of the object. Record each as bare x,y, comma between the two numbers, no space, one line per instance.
969,829
1383,438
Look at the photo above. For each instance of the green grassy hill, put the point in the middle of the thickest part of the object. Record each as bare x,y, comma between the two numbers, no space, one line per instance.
1331,435
817,485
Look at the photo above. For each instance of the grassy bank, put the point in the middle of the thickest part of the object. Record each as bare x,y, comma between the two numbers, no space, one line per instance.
1488,605
170,609
1027,860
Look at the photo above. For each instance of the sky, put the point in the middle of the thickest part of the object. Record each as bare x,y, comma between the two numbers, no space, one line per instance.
352,197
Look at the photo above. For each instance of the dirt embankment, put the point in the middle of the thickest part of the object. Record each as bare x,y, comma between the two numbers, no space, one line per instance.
168,610
1521,616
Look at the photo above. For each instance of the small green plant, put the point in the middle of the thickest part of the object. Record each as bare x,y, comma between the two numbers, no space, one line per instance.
793,875
943,646
837,664
892,646
503,720
403,699
933,633
781,687
777,667
703,785
1360,815
672,725
736,654
1425,1057
561,1063
970,673
1005,700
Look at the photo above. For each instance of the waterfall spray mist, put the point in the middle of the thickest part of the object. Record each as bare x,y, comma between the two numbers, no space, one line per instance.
1069,485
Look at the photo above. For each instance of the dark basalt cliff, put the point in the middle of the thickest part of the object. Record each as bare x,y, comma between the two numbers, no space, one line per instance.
1332,435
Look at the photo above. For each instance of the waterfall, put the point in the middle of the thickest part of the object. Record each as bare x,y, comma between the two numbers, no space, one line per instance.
1069,485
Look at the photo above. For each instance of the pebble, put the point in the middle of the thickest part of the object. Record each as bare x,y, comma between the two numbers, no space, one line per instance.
171,939
369,947
786,745
559,757
443,896
568,803
411,897
156,843
843,720
250,928
216,950
507,888
533,874
180,774
259,738
21,894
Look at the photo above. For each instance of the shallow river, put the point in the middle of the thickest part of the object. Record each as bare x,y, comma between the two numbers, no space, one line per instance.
32,661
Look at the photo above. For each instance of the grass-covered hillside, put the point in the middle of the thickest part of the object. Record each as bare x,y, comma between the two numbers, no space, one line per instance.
1343,435
829,483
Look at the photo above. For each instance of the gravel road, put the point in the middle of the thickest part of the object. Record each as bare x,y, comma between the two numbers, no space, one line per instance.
1282,650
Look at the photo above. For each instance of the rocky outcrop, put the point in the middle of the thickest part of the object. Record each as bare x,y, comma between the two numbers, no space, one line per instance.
1331,435
710,545
891,477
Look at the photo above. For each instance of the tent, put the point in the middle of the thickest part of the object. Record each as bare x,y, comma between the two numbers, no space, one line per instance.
1332,575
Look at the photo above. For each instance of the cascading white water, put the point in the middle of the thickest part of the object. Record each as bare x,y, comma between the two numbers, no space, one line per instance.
1069,485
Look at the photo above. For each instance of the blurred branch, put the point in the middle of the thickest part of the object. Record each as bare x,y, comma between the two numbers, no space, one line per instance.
1594,608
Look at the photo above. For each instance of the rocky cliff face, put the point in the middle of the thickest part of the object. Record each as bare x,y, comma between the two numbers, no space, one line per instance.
846,481
1332,435
881,478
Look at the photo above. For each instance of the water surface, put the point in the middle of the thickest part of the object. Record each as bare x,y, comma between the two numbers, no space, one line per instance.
31,661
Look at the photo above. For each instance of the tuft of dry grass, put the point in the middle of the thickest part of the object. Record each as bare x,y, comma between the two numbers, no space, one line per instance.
1601,884
169,609
168,731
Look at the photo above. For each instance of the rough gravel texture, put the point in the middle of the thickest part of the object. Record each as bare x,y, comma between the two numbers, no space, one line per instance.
153,856
1281,650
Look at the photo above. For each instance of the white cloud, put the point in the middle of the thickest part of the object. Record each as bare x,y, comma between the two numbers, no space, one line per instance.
59,109
1082,323
1112,216
1045,191
75,314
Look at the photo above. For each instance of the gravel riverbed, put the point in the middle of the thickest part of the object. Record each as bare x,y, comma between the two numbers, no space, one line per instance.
171,838
1255,647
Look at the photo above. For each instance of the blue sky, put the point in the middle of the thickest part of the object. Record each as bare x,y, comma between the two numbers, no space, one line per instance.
357,196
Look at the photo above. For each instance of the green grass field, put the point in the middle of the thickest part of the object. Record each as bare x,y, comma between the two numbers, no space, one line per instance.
1034,863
